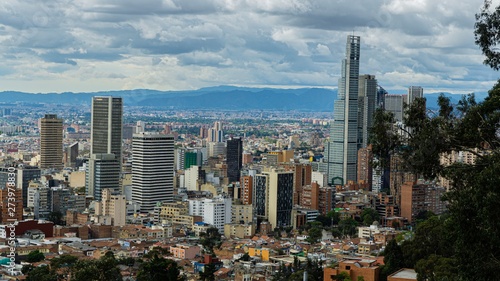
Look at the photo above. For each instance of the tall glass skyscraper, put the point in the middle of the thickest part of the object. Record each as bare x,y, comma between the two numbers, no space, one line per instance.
106,123
105,160
367,101
343,146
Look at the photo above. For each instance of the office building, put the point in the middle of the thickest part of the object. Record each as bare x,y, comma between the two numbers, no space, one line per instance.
344,132
216,211
106,126
113,206
367,101
152,170
260,195
394,104
280,198
71,155
51,142
234,158
24,174
413,93
216,133
318,198
246,189
40,199
399,174
302,177
102,171
192,157
11,207
216,148
365,169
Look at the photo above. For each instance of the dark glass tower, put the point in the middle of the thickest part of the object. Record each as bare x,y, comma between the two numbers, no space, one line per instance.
234,158
106,119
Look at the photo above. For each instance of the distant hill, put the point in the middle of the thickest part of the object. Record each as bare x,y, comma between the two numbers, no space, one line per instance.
220,97
454,98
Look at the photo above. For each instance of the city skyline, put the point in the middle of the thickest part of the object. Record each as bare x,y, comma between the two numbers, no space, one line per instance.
64,46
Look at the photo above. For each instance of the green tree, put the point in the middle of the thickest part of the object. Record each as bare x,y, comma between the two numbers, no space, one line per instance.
348,227
208,273
56,217
103,269
393,259
63,265
314,270
435,268
334,217
159,269
211,240
343,276
35,256
369,215
472,226
246,257
314,234
486,32
324,220
41,273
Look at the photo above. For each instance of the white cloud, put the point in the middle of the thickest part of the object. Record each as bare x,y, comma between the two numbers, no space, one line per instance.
64,45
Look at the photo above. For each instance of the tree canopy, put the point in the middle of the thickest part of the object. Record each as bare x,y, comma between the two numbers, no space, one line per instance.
486,32
159,269
466,241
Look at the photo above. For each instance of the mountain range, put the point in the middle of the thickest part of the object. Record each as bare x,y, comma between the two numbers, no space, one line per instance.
214,98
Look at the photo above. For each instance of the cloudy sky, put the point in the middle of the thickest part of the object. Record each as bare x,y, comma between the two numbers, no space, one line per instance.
93,45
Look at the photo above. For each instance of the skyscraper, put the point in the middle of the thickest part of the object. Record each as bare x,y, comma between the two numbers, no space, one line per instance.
106,123
152,170
413,93
51,142
367,101
216,133
71,155
103,171
344,133
280,202
234,158
394,104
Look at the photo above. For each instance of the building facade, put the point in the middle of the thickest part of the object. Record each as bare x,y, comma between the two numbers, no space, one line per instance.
106,126
234,158
367,101
344,132
51,142
103,171
152,170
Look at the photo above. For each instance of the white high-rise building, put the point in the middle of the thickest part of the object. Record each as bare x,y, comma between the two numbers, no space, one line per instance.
216,211
191,177
152,170
342,162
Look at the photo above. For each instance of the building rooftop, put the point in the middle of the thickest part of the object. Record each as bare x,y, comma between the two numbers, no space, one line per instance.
405,273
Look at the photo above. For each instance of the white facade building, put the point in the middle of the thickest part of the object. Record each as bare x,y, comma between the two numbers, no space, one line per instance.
216,211
152,170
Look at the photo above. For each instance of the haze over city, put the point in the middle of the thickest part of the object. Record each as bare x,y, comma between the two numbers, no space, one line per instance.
82,46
